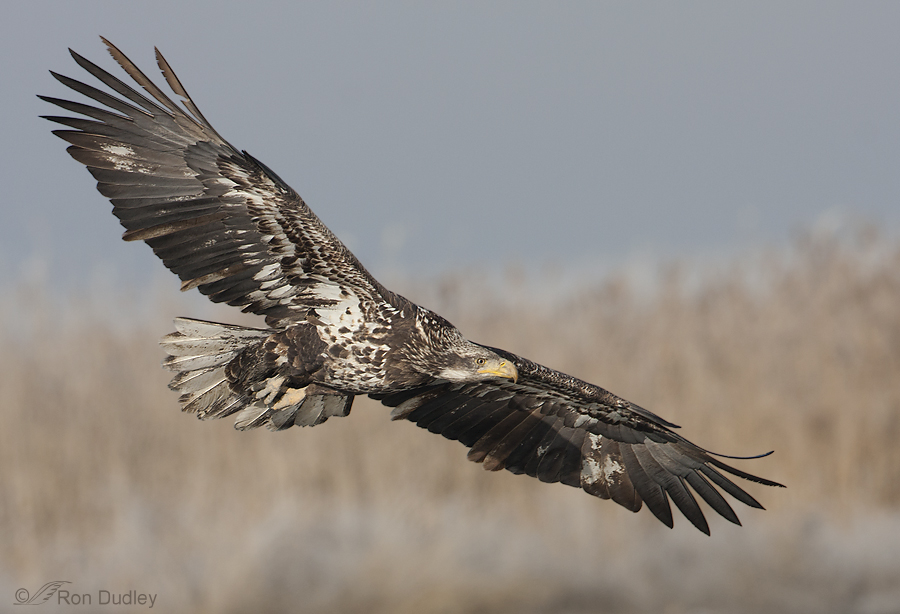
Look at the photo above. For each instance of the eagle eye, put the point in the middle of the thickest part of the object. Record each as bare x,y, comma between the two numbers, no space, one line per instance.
480,361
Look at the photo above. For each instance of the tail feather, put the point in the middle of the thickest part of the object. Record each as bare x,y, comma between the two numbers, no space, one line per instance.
210,401
200,352
196,380
197,363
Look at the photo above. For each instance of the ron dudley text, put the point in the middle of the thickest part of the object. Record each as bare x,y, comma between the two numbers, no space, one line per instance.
103,597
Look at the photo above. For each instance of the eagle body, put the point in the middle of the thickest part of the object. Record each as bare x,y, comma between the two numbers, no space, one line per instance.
227,225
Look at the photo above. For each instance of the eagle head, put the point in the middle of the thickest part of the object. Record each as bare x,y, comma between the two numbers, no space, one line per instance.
449,356
470,362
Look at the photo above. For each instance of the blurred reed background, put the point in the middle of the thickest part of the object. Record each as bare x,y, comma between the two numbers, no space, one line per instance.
106,484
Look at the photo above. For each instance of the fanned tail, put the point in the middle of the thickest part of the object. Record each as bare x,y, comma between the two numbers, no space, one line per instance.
200,352
223,370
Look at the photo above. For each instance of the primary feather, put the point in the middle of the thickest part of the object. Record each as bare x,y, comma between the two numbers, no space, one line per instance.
230,227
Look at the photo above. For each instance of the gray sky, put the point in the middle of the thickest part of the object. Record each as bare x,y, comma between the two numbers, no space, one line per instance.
435,136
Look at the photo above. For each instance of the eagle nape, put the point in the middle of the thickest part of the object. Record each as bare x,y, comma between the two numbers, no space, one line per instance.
227,225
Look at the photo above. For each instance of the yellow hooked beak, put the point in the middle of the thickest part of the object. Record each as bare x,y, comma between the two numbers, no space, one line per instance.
501,368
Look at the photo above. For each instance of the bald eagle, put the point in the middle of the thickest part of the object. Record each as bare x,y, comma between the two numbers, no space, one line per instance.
227,225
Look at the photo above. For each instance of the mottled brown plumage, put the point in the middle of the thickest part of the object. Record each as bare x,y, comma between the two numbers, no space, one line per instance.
230,227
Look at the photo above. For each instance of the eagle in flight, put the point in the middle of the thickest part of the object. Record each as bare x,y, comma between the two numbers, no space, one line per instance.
227,225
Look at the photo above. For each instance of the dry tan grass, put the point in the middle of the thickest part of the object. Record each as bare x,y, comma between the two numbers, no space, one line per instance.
107,485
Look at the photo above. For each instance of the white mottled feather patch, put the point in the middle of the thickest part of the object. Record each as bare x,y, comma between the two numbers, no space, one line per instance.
591,471
119,150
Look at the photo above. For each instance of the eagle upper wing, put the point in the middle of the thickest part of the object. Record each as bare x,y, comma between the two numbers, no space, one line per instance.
557,428
217,217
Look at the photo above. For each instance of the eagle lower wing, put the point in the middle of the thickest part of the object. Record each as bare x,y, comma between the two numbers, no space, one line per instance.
560,429
217,217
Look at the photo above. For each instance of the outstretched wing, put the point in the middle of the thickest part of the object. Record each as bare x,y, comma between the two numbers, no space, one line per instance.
220,219
560,429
